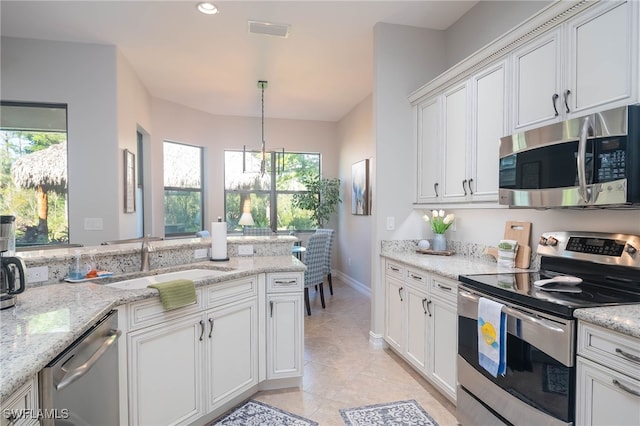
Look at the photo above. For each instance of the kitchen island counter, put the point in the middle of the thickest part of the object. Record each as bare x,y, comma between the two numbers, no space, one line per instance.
47,319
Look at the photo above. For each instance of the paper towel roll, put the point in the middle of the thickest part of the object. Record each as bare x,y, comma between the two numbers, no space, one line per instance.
219,241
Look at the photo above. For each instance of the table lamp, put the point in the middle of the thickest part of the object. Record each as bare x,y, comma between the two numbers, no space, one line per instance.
246,219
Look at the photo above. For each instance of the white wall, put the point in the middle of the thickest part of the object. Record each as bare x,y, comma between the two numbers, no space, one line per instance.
404,59
83,76
216,133
357,143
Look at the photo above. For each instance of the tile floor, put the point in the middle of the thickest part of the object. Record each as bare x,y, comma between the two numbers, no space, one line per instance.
342,370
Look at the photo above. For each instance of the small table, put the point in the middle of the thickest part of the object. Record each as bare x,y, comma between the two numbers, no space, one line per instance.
298,251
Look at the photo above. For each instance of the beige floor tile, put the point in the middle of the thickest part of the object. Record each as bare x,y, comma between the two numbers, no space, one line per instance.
341,369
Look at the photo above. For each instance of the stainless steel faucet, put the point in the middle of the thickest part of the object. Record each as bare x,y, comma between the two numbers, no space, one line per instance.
144,254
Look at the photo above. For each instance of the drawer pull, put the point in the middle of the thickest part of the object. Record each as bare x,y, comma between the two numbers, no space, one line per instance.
625,388
286,282
628,356
444,287
394,269
415,277
400,293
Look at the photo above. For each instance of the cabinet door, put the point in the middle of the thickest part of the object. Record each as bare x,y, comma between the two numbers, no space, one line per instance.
21,408
444,335
232,348
395,294
285,334
429,150
605,397
536,70
489,125
166,372
603,57
456,126
418,312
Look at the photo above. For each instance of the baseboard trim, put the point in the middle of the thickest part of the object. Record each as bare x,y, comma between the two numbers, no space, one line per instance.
351,282
377,341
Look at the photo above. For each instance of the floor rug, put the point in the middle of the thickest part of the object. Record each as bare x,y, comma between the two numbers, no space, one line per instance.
400,413
254,413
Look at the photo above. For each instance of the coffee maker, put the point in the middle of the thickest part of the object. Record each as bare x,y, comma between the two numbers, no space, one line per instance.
10,264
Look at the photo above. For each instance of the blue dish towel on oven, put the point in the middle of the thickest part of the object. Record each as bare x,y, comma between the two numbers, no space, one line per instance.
492,337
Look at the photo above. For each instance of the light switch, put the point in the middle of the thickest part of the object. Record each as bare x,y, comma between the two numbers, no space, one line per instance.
93,224
391,223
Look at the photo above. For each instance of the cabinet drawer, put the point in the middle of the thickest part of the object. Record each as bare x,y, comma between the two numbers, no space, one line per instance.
607,347
150,311
230,291
417,277
284,282
394,269
444,288
22,405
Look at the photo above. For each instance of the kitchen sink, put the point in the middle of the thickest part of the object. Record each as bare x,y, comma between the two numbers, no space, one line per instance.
189,274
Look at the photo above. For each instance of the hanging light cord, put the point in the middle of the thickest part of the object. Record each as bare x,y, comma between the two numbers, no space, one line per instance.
264,155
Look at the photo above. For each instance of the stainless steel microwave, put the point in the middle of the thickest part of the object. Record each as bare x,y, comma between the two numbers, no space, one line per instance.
586,161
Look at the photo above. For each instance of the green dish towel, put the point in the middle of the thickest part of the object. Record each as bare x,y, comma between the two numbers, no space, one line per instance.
176,294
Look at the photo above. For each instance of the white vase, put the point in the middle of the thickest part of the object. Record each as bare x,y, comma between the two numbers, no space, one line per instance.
439,242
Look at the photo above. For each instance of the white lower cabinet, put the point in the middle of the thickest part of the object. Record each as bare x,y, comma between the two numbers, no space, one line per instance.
421,323
21,408
608,377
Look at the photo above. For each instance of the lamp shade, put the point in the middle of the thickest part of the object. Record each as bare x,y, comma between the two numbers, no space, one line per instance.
246,219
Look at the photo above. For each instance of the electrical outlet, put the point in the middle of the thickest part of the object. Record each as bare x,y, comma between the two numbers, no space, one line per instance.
93,224
245,249
37,274
454,224
200,253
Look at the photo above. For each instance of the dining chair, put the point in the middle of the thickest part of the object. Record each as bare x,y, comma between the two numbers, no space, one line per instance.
315,272
257,232
328,254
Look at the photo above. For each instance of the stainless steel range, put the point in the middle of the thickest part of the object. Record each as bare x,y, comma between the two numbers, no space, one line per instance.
577,270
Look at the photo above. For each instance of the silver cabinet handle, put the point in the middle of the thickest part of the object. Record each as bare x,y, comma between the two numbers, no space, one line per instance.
628,356
469,185
554,98
566,99
73,375
625,388
415,277
210,327
285,282
581,160
464,182
400,293
435,188
271,309
201,329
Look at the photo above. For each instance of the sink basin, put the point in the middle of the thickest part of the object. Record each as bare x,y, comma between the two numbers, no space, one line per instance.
143,282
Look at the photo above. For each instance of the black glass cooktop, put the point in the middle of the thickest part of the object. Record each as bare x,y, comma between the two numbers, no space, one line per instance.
601,286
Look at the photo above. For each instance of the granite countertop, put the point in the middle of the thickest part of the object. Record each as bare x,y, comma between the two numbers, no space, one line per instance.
447,266
624,319
47,319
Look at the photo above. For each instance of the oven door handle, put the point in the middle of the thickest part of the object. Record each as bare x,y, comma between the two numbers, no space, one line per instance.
516,313
73,375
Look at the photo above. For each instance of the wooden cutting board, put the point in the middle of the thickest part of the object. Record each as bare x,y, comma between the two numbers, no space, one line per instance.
520,232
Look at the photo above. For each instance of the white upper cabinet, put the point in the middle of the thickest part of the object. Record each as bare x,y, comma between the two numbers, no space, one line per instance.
429,144
585,65
456,130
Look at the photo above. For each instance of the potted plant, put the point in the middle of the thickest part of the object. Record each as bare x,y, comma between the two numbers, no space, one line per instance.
322,197
439,223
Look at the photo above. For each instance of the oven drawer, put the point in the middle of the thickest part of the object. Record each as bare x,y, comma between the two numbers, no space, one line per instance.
607,347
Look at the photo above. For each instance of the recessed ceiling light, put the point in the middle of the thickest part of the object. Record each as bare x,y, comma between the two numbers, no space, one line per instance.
207,8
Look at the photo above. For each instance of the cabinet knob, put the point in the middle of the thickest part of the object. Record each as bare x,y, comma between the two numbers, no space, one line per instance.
552,241
630,249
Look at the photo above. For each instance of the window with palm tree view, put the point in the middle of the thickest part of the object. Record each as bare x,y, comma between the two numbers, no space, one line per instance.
33,171
183,192
268,196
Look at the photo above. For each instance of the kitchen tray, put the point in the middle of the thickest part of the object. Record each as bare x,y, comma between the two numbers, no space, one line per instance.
106,275
437,252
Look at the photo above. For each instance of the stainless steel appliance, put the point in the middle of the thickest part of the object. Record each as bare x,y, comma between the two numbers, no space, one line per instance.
539,385
80,386
586,161
12,268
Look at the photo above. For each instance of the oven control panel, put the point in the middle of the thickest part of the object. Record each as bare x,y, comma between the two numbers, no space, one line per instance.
596,246
599,247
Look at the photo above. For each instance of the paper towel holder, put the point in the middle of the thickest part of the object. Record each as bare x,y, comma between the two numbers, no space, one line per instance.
213,235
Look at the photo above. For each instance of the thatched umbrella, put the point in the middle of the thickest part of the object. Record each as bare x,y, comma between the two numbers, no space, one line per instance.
44,171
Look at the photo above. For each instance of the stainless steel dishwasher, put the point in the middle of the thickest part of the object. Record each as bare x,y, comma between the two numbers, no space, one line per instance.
80,386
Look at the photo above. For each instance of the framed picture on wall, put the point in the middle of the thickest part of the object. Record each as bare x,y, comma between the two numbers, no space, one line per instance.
129,181
360,191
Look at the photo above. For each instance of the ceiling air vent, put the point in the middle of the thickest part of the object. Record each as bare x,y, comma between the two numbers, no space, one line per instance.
269,28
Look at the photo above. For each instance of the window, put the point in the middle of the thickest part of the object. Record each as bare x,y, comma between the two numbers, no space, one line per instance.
269,195
183,193
33,171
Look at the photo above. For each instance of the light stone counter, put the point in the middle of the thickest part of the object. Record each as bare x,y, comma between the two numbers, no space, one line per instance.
624,319
47,319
